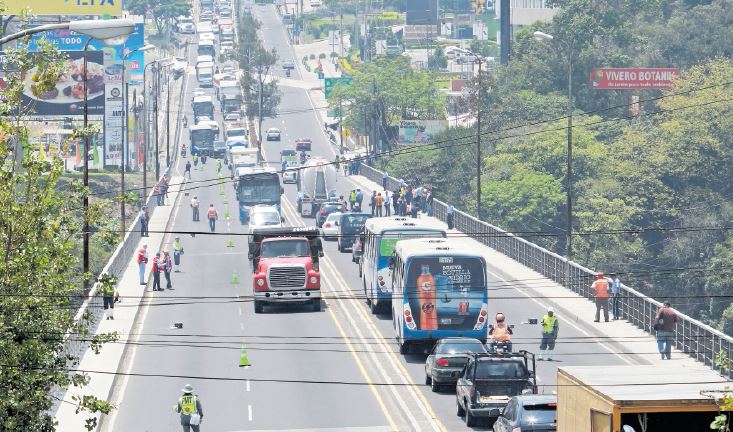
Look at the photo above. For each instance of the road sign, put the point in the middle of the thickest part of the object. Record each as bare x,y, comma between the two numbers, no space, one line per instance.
329,84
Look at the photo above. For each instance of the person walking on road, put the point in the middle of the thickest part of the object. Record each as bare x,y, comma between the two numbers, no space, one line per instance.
195,208
157,268
144,221
177,252
359,198
142,260
373,203
188,170
352,199
664,323
107,289
449,216
600,293
212,216
190,409
615,296
378,203
550,328
167,268
387,202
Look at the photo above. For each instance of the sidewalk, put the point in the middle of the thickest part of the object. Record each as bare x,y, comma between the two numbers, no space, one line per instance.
633,345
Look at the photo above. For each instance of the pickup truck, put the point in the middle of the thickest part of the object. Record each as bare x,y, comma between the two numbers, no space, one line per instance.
285,266
489,380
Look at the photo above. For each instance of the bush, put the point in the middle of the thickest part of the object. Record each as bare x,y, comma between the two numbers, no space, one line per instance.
322,56
312,56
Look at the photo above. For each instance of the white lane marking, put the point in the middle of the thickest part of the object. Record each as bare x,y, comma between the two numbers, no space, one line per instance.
241,325
249,412
240,311
570,323
247,385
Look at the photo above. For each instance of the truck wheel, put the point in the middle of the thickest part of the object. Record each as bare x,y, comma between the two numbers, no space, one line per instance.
259,306
317,305
470,419
460,412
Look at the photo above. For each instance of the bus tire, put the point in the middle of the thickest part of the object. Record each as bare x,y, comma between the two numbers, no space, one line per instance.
259,306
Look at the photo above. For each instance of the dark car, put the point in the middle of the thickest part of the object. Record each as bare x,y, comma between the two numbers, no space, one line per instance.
537,413
303,144
219,150
448,358
326,209
350,225
490,380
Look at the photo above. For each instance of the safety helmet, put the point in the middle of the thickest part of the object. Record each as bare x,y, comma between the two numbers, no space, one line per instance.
500,317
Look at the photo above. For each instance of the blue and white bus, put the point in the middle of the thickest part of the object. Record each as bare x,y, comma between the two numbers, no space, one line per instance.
380,236
439,290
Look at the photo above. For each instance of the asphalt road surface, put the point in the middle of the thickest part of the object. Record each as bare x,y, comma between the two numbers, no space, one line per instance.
336,369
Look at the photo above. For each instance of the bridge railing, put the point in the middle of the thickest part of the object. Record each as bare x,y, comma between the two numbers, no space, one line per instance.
692,337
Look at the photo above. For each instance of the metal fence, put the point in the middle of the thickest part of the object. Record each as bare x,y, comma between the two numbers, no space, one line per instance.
693,337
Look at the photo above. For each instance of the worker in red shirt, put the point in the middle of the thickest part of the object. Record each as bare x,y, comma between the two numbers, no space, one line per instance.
213,216
600,293
142,259
157,269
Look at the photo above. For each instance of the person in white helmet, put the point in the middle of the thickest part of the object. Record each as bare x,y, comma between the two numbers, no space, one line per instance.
550,328
190,409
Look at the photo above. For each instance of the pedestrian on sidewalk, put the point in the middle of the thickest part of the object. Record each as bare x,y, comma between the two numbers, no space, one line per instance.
158,196
395,202
664,323
387,200
142,260
164,189
385,176
157,268
213,216
550,328
615,296
107,284
378,203
167,268
373,203
195,208
144,221
188,170
177,252
599,288
190,409
449,216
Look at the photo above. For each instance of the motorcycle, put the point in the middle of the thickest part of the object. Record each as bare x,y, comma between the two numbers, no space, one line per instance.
499,346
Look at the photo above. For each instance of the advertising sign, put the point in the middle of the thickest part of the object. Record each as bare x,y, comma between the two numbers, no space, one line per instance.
445,292
64,7
420,131
114,114
67,98
633,78
67,40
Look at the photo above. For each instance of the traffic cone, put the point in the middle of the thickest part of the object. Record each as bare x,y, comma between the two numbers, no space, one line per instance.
235,279
230,243
243,359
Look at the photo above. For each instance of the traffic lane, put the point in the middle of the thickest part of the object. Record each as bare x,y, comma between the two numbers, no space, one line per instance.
276,37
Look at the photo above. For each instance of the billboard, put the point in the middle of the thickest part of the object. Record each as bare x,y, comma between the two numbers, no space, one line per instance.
64,7
420,131
67,40
114,114
421,12
633,78
67,98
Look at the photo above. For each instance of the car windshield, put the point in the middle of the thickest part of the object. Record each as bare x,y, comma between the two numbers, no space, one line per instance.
540,413
504,369
265,218
460,346
284,248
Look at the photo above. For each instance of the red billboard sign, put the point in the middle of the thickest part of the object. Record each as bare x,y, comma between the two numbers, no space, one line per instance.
633,78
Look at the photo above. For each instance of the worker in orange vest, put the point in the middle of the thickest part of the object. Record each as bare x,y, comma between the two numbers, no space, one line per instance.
500,332
600,293
213,216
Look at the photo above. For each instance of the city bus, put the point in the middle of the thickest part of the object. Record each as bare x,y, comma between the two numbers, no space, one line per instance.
202,139
439,291
380,236
257,185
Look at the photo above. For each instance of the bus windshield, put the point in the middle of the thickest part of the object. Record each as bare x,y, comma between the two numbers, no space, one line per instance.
388,241
259,190
203,109
202,138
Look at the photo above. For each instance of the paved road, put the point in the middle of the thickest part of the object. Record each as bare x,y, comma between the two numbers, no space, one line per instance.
336,369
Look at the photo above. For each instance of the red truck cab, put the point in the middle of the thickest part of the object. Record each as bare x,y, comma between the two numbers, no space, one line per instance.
285,267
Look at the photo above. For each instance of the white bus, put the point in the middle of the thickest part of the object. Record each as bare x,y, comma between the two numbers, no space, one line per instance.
380,236
439,291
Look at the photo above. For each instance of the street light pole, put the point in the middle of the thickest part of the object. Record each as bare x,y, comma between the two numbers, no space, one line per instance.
85,201
478,142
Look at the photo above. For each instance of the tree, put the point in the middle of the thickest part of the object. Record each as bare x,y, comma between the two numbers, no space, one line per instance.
438,60
39,229
165,12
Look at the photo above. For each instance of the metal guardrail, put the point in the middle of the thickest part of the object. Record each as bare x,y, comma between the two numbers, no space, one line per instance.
698,340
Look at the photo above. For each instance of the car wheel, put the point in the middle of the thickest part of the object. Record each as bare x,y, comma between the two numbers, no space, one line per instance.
428,380
435,387
460,412
259,307
470,419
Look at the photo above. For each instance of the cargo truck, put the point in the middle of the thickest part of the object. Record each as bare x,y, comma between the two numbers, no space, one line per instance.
316,185
664,397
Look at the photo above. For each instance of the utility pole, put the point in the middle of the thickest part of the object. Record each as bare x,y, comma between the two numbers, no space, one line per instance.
125,143
259,109
341,129
156,94
375,132
168,122
478,143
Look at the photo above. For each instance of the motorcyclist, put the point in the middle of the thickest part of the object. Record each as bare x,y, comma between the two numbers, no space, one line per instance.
183,149
185,121
500,334
302,157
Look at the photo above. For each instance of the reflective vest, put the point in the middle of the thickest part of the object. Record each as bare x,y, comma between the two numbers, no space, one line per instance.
352,197
188,404
601,288
108,290
379,200
548,323
500,333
